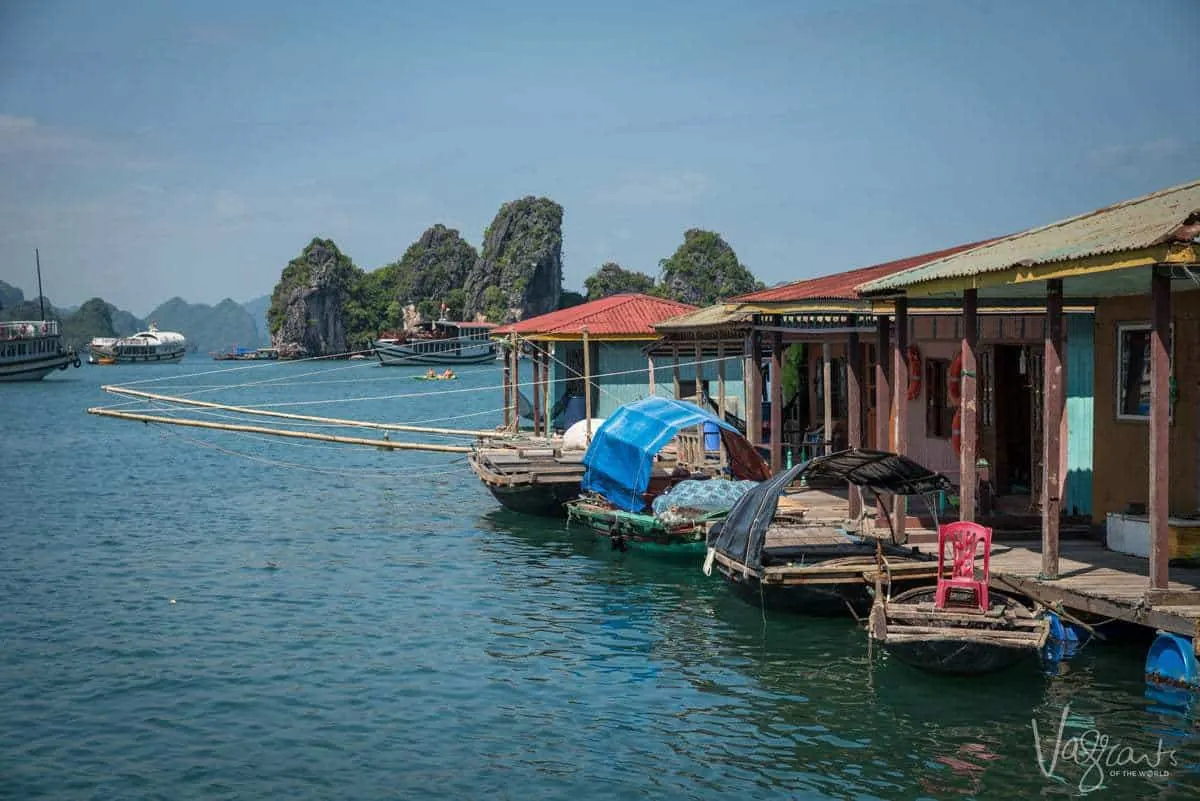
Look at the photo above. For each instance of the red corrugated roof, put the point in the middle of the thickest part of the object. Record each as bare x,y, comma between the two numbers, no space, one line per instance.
840,286
632,314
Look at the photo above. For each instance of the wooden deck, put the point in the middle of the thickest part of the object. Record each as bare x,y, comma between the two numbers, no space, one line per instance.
1100,582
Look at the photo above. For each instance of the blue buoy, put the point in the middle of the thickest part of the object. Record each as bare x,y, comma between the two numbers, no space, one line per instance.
1172,661
712,436
1063,642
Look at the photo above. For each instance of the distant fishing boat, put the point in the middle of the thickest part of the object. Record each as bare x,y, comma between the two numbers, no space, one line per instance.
246,355
32,349
438,342
145,347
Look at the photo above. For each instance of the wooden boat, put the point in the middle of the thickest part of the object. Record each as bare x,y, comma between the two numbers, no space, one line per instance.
624,501
530,475
438,342
772,553
957,641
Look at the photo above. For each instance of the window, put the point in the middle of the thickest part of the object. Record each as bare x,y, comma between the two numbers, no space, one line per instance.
1133,370
939,414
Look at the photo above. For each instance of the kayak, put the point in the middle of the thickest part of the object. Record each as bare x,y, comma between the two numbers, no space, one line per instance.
435,378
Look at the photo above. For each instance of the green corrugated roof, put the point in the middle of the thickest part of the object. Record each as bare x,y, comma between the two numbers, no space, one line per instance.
1132,225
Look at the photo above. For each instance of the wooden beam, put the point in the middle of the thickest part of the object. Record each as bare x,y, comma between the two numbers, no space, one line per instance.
546,382
675,370
721,380
516,384
699,374
854,413
1160,426
883,395
650,368
754,388
1053,403
507,390
968,407
776,402
827,382
900,404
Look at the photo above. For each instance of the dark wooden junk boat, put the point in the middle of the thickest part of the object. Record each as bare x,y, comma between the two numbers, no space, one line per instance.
771,554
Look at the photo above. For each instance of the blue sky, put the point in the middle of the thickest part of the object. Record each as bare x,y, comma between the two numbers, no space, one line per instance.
158,149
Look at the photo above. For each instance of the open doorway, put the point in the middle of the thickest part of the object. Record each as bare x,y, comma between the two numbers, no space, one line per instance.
1012,471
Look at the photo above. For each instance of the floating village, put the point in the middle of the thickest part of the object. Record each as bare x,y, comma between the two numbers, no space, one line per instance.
992,457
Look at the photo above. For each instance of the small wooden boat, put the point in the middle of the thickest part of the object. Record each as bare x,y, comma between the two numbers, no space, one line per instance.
624,501
528,475
772,554
964,641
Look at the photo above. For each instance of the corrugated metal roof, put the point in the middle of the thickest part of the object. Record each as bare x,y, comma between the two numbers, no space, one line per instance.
722,314
841,286
633,315
1135,224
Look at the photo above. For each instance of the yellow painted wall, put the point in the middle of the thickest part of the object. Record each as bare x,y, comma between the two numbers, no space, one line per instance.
1122,447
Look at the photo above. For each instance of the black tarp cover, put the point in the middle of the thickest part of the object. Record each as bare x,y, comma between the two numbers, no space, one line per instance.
742,534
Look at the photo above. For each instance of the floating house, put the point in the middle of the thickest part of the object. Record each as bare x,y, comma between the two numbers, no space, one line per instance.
1138,264
602,340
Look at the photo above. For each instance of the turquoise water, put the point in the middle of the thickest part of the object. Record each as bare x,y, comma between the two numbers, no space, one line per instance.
350,623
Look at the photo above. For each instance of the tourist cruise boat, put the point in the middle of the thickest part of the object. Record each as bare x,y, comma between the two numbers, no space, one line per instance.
152,346
32,349
438,342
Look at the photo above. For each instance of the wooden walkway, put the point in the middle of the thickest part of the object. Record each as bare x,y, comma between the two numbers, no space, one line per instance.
1098,581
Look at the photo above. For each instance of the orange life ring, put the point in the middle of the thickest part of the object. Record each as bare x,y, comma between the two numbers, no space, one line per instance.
954,380
956,432
914,372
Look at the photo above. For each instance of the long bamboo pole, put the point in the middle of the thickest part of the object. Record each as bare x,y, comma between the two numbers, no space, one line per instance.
135,393
275,432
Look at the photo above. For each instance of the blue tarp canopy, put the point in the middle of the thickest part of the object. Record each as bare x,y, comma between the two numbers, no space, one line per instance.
621,456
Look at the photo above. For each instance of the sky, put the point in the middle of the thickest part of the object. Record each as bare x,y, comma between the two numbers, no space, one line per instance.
153,150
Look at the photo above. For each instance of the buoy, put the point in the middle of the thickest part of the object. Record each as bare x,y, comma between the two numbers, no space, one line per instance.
1062,643
172,600
1171,660
954,380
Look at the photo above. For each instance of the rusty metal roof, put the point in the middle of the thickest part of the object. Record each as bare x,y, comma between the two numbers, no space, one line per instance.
1155,219
631,315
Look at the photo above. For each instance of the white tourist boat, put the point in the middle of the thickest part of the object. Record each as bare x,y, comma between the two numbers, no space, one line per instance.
439,342
145,347
32,349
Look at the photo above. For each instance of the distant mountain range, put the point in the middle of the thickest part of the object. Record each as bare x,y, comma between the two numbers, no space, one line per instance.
207,328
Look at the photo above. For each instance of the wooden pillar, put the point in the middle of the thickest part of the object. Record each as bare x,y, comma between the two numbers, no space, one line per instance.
536,359
753,385
507,391
545,389
827,382
699,373
650,368
675,370
776,402
1053,402
1160,426
900,404
516,385
721,380
854,411
587,385
883,394
968,408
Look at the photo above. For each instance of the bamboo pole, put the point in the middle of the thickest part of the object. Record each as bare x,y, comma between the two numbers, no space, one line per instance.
587,384
307,418
275,432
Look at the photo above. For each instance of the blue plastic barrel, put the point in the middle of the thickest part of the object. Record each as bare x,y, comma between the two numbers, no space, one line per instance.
712,436
1172,661
574,411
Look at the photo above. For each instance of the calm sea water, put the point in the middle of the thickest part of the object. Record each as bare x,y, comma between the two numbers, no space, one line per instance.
201,615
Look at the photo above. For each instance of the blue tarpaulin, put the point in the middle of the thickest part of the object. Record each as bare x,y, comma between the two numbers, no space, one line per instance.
621,456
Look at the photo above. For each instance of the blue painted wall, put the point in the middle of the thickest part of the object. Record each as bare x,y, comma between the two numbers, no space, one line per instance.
1081,364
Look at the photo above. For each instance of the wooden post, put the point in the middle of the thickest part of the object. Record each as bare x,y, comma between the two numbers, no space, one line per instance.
587,384
535,358
1053,401
776,402
900,393
699,373
721,380
544,389
650,368
968,408
827,382
507,391
753,389
1160,426
854,411
516,385
675,370
883,395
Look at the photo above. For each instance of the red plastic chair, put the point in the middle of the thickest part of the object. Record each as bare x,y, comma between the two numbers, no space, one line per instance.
964,537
